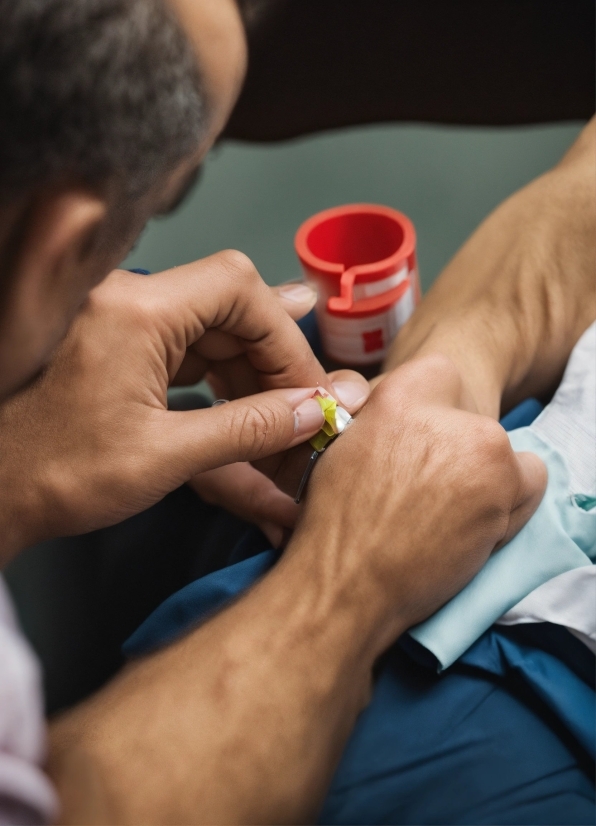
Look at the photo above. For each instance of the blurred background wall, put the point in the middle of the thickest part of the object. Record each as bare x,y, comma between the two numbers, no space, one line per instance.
446,179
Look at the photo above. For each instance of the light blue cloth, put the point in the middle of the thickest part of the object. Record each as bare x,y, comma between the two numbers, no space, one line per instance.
560,536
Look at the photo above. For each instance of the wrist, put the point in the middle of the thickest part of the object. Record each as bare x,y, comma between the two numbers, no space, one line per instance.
470,340
349,600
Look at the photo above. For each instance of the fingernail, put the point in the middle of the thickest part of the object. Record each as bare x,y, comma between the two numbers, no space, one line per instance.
350,394
300,293
308,418
274,533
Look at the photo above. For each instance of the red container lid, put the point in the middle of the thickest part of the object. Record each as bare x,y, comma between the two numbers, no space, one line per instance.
358,244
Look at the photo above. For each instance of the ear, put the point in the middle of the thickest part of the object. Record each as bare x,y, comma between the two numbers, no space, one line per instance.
61,230
50,270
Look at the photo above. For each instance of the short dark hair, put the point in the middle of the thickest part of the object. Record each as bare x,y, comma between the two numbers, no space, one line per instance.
102,91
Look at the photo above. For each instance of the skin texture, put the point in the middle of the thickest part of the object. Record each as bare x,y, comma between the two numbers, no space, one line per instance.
217,34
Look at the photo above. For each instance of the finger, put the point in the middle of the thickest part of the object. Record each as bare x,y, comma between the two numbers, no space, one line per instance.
220,387
191,371
287,469
237,376
432,379
296,298
216,346
189,442
274,533
234,372
350,389
533,480
242,490
226,293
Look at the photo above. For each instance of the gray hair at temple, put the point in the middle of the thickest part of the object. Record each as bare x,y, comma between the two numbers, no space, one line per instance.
105,92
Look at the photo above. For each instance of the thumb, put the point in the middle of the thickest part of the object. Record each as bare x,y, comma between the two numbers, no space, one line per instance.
242,430
533,480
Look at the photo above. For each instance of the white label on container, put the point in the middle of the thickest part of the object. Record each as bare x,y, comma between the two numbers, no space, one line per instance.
364,340
377,287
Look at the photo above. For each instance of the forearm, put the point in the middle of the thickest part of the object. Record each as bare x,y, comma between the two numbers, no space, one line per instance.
241,721
512,303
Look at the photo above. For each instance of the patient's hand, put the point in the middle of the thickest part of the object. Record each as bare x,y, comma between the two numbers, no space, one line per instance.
92,442
417,470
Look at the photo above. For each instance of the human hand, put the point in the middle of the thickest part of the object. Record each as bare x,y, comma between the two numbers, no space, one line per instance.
92,442
250,493
406,506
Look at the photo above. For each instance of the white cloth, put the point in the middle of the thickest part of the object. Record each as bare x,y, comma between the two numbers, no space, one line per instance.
26,794
568,600
569,421
569,424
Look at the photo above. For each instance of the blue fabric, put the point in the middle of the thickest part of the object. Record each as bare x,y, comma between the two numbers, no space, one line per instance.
566,694
465,746
460,748
523,415
195,601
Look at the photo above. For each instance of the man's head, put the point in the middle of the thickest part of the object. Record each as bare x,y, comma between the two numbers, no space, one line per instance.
106,109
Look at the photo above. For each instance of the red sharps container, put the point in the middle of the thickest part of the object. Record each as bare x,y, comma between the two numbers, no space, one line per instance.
362,260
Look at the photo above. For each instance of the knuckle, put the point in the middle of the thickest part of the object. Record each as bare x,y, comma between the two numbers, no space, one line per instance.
433,369
497,478
98,301
492,442
237,264
387,390
121,296
254,428
396,400
441,366
384,399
